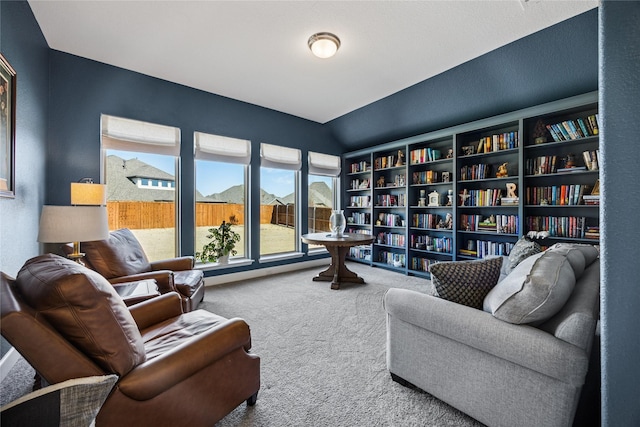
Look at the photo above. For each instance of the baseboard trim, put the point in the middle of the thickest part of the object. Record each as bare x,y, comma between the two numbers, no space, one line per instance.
262,272
7,362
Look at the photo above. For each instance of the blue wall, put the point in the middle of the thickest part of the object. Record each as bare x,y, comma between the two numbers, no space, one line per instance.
23,45
83,89
619,110
558,62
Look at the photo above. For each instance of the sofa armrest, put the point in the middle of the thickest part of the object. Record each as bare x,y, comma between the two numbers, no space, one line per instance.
174,264
521,344
157,375
163,278
156,310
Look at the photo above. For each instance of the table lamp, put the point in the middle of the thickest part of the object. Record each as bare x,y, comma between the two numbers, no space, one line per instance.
86,192
64,224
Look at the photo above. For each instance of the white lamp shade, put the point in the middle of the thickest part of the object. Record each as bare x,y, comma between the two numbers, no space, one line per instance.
64,224
88,194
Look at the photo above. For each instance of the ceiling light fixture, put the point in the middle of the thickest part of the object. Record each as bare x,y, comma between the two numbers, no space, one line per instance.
324,45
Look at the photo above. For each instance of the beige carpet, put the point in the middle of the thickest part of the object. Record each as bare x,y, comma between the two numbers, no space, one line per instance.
323,353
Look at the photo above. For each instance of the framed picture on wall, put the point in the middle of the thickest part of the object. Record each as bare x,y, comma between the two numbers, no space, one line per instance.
7,128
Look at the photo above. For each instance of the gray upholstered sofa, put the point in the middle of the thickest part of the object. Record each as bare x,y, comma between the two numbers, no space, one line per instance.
500,373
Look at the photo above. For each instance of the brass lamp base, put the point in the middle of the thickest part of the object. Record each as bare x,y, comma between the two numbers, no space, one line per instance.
76,255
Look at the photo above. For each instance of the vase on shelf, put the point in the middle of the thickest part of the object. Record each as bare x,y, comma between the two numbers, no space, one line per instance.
337,223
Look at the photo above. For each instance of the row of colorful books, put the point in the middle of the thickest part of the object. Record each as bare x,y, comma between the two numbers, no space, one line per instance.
422,264
492,143
362,166
391,239
424,155
360,201
392,258
483,248
556,195
557,226
438,244
391,200
574,129
471,172
488,197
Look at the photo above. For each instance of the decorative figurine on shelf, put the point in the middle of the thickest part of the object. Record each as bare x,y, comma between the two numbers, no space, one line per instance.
540,133
502,171
511,189
400,161
463,197
450,198
380,182
450,153
569,161
364,184
448,222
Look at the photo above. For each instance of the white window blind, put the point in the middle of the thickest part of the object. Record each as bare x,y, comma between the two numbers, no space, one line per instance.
222,148
275,156
324,164
133,135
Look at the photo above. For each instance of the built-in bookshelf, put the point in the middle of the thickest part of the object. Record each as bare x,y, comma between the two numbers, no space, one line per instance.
472,190
358,204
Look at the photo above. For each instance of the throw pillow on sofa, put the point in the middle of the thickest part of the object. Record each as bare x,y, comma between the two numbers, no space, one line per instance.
466,282
534,291
522,250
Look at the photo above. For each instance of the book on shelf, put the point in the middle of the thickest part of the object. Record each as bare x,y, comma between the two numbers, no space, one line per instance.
590,158
566,226
509,201
592,233
497,142
581,127
556,195
591,200
424,155
362,166
572,169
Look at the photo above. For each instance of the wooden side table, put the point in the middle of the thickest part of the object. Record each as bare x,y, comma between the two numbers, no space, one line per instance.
338,247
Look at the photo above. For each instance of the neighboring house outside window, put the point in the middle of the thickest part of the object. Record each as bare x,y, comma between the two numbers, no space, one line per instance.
222,176
140,159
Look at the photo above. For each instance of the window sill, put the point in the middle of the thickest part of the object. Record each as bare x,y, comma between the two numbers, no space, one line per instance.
239,262
280,257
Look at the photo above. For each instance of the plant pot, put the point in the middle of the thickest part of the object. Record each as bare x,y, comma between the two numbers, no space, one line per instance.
223,259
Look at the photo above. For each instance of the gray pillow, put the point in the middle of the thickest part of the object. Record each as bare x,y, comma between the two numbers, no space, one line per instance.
573,254
522,250
534,291
466,282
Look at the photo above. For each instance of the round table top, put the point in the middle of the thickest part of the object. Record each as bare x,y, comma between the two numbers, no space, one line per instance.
347,239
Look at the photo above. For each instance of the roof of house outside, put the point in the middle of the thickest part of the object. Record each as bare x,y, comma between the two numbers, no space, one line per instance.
120,186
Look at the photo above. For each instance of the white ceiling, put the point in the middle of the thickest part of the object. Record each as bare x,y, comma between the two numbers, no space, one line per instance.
256,51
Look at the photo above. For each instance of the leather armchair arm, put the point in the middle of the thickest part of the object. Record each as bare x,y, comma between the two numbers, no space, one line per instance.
164,279
157,375
156,310
174,264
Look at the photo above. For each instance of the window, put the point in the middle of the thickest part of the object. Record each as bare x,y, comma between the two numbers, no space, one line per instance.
137,157
222,174
324,171
279,216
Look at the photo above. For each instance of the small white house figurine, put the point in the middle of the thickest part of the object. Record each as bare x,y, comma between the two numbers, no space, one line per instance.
434,199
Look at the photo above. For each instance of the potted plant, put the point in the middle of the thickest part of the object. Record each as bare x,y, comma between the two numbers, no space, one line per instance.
222,243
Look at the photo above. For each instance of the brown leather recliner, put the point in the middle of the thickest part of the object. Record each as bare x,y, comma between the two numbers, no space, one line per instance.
174,369
122,259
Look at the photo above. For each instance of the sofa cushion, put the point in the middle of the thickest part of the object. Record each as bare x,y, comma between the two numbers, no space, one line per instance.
534,291
523,249
574,256
120,255
466,282
85,309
